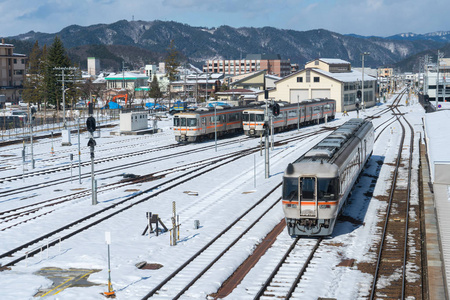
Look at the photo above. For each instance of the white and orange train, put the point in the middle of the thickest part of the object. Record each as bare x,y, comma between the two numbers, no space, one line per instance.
290,115
203,123
316,186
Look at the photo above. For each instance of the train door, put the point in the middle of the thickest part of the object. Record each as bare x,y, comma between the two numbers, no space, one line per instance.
308,204
203,125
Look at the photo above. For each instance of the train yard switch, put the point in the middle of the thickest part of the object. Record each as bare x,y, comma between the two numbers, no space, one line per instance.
153,219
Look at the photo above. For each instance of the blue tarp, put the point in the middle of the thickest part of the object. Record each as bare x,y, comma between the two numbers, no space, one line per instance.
218,104
112,105
152,106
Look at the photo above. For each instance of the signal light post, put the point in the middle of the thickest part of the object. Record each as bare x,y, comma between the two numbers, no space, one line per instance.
90,124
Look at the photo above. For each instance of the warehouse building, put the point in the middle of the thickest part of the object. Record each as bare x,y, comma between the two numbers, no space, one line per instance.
326,78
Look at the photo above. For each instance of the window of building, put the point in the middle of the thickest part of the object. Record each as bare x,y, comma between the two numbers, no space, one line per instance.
316,63
308,75
316,79
299,79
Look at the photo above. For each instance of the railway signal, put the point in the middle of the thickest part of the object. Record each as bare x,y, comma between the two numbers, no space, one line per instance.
90,124
276,109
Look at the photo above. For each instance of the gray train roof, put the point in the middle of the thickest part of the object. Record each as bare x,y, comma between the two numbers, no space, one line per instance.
329,146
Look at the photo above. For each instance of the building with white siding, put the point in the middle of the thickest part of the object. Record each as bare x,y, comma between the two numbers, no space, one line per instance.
326,78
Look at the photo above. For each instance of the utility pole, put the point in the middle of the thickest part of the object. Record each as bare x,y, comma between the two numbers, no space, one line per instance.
266,136
298,112
362,95
65,131
439,56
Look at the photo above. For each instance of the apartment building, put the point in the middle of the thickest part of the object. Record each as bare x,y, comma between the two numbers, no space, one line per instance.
12,73
272,63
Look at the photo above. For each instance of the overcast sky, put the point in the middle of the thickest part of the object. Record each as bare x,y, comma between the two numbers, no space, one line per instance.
364,17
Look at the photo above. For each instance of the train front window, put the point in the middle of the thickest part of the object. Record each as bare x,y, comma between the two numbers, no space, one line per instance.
245,117
191,122
307,187
290,188
259,117
327,188
176,122
252,117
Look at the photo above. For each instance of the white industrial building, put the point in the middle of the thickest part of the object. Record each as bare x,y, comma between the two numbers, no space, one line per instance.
326,78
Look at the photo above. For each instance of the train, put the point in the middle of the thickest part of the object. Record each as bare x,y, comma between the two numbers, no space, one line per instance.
317,185
198,125
290,115
204,123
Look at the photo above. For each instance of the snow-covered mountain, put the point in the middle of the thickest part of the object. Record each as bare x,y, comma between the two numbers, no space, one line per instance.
146,41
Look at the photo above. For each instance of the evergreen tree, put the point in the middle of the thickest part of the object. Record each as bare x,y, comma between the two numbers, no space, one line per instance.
56,58
172,62
155,91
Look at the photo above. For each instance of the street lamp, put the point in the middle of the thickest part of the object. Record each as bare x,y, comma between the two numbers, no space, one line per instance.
362,93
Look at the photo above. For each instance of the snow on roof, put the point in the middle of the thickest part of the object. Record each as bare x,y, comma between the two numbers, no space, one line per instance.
274,77
351,76
126,75
438,136
334,61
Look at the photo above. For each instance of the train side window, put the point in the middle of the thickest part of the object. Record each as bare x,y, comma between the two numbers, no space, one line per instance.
191,122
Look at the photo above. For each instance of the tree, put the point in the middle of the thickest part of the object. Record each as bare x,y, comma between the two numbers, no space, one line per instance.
33,85
155,91
56,57
172,62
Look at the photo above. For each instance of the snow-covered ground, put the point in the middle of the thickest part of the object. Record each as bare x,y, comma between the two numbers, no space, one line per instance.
223,194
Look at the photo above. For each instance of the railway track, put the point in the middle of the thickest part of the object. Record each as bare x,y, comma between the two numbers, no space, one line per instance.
31,209
284,279
193,269
399,252
105,213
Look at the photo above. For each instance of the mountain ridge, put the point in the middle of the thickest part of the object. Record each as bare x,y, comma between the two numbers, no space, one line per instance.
148,41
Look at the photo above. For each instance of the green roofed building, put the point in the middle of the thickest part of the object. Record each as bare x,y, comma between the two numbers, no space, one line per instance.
127,80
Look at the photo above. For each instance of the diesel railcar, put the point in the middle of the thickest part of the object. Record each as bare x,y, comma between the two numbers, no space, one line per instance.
291,115
316,186
202,123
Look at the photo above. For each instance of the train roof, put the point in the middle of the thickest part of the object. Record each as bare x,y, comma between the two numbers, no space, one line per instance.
326,149
284,104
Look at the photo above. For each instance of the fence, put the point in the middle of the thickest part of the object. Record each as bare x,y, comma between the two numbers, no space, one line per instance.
51,120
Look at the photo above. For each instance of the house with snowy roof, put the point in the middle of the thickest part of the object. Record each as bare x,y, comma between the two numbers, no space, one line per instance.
326,78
